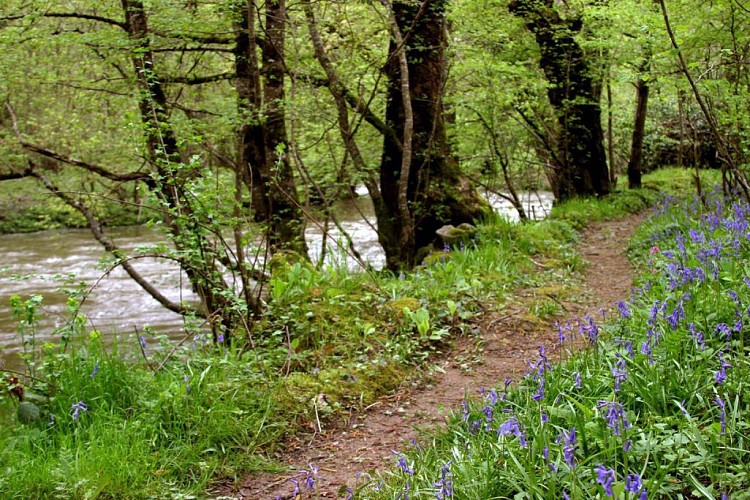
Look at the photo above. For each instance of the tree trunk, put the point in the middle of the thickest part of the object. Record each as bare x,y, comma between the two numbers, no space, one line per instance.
639,127
436,193
264,155
574,94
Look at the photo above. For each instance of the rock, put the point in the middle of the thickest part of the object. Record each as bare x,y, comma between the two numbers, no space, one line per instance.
452,235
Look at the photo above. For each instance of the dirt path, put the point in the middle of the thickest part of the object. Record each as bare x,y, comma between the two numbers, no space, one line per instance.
364,441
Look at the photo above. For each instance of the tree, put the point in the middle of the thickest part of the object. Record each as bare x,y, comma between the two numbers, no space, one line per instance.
574,91
263,152
420,179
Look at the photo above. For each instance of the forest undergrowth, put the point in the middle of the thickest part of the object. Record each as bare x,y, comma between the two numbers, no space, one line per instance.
147,418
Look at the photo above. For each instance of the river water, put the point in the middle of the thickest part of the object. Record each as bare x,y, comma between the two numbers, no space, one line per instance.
44,262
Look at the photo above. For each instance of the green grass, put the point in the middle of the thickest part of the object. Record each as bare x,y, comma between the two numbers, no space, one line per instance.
210,414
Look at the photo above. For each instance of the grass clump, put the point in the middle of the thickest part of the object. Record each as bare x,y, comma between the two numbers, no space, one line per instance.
655,407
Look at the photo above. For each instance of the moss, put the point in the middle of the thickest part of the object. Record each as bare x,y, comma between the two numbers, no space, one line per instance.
398,305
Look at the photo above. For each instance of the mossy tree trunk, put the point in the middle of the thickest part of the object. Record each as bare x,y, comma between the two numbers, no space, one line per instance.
574,92
436,193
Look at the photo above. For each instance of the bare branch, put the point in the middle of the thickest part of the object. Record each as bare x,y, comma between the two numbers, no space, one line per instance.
109,246
74,15
16,174
198,80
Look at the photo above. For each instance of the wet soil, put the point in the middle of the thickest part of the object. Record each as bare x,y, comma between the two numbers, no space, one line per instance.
502,347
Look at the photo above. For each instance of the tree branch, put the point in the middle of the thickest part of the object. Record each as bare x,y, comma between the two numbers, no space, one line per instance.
34,148
109,246
75,15
16,174
198,80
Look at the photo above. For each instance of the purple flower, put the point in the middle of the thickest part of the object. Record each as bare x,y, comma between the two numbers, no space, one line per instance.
721,374
465,411
606,478
723,415
677,315
654,311
78,408
615,416
545,418
577,379
491,397
589,329
511,427
295,493
96,369
444,486
633,483
310,476
488,411
623,307
619,372
142,340
569,449
724,329
539,394
475,426
697,336
626,446
402,464
682,408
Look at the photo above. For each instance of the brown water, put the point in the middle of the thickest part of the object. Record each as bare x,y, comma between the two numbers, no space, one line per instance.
41,263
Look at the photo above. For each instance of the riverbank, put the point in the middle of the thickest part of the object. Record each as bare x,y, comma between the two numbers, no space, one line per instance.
181,417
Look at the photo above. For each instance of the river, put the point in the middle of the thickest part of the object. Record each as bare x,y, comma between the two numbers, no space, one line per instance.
44,262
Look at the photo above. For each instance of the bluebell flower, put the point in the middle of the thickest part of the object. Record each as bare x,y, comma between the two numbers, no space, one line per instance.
444,486
512,427
697,336
402,463
623,307
310,476
577,379
619,371
615,416
465,411
606,478
723,328
296,491
539,394
96,369
78,408
654,312
488,416
721,374
677,315
569,448
589,329
682,408
723,414
633,483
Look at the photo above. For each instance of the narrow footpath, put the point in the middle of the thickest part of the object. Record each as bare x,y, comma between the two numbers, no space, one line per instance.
364,441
